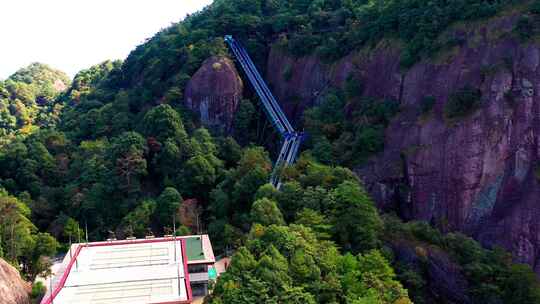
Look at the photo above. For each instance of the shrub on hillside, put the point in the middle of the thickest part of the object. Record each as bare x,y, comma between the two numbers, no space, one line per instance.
38,291
427,103
463,102
524,28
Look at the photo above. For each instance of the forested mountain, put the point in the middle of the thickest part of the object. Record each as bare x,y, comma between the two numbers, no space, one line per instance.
128,144
28,100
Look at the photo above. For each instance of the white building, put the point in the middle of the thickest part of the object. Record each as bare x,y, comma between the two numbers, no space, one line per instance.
139,271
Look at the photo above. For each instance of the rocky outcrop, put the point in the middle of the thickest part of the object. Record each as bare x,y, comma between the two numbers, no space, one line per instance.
300,83
443,278
13,289
214,92
476,174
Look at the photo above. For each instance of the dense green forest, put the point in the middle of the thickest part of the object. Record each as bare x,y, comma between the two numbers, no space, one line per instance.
116,151
28,100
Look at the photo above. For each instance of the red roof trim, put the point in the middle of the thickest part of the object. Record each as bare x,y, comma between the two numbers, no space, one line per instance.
62,282
186,273
177,302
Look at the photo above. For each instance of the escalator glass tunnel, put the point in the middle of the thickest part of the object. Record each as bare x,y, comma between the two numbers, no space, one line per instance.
291,139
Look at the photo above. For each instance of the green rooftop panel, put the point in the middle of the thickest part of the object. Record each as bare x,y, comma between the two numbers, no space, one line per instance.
194,249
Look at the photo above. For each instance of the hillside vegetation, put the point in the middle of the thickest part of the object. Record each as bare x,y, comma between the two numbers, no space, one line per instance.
28,100
117,152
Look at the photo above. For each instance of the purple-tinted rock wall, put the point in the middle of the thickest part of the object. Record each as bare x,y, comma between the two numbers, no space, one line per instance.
474,174
214,92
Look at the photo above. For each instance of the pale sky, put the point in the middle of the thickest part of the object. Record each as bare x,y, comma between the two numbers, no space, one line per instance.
71,35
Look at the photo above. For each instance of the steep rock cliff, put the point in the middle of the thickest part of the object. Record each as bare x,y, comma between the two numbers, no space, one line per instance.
13,289
214,92
475,174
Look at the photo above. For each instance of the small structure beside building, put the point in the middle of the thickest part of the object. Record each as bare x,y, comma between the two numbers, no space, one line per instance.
200,260
171,270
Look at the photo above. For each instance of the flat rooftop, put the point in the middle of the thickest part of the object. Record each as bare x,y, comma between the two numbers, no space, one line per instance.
199,249
132,271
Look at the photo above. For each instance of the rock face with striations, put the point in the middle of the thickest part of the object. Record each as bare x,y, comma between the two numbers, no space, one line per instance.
13,289
214,92
477,174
